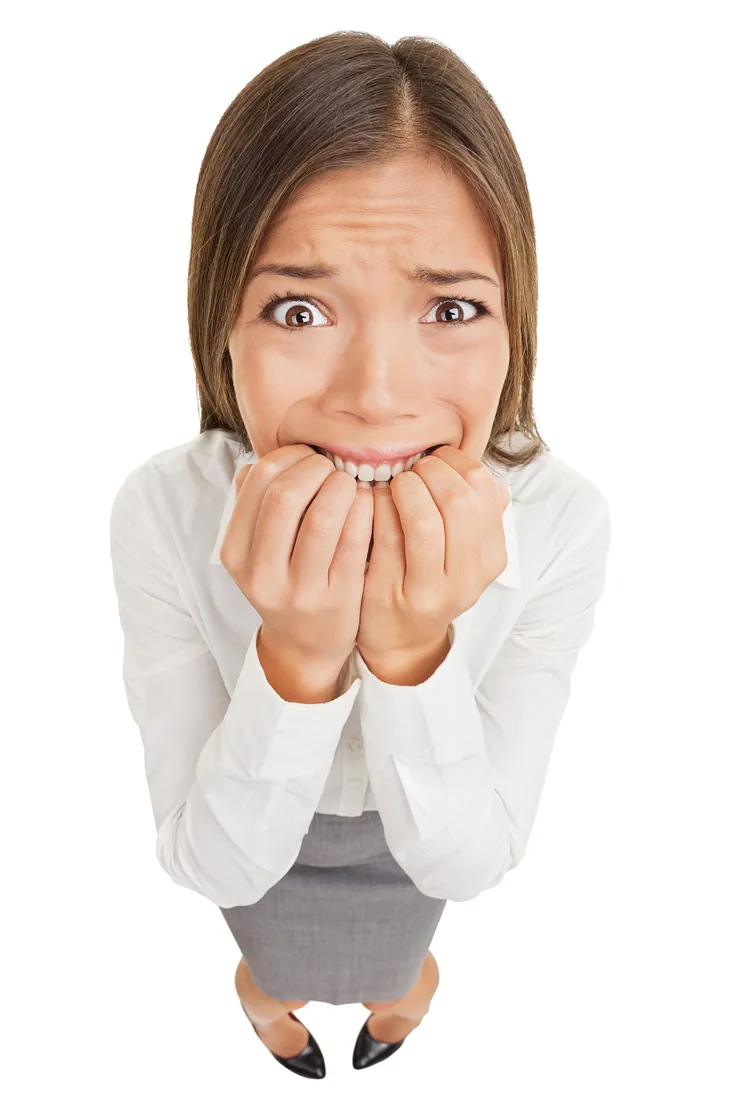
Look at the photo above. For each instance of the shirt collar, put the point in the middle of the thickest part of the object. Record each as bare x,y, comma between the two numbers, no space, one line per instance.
510,576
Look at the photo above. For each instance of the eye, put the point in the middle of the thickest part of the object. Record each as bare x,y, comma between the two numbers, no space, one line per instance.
296,314
479,306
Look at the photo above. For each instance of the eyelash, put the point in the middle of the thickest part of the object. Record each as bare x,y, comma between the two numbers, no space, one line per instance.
272,302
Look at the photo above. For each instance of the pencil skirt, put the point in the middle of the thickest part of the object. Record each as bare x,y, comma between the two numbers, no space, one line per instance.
344,925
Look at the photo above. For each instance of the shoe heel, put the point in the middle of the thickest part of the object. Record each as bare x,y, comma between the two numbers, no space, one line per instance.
368,1050
309,1062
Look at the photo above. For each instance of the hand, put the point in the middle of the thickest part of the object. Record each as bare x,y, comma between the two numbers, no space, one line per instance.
438,542
296,546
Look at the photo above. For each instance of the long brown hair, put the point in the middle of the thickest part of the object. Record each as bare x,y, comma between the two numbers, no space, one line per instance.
345,99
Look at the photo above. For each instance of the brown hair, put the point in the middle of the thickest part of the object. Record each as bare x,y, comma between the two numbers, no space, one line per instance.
345,99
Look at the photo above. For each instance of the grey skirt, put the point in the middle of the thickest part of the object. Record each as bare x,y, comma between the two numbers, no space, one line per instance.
344,925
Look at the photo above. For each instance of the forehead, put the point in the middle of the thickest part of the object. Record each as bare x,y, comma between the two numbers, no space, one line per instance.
408,205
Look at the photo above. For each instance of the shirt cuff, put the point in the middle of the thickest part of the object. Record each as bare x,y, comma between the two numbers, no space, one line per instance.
436,720
280,740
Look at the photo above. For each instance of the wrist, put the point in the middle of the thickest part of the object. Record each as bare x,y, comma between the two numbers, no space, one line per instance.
410,667
296,677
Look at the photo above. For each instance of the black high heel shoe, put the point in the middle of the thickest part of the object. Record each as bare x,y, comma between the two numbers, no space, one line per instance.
368,1050
308,1062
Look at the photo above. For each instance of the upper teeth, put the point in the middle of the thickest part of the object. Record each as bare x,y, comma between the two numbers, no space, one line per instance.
367,473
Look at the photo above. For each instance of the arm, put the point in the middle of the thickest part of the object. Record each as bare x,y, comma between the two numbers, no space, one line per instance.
456,766
234,780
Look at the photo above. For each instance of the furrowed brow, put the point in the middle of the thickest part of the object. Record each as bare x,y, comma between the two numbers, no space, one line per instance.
423,274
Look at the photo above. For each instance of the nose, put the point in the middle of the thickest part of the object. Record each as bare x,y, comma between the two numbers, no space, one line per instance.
381,382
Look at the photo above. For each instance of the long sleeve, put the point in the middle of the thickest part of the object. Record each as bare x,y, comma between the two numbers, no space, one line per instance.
234,781
457,766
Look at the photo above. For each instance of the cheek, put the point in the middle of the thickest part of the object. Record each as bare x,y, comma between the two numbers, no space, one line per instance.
479,388
482,380
265,395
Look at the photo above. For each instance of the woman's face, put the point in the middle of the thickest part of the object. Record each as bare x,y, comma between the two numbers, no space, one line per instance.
364,355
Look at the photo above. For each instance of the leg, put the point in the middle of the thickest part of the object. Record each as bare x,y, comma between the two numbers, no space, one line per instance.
270,1017
394,1019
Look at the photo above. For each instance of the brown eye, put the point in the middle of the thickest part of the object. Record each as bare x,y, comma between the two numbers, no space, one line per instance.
451,307
293,317
453,311
298,315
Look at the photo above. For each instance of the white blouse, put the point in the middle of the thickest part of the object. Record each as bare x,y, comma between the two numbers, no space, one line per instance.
455,765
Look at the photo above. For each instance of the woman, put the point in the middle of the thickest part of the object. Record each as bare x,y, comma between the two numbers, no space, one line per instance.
347,659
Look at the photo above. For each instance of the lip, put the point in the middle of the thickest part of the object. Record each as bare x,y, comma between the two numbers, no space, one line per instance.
386,455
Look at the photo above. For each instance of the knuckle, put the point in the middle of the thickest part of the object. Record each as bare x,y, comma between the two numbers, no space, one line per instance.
458,501
268,465
421,528
354,537
228,562
304,600
321,523
282,491
230,554
225,552
255,581
427,603
481,482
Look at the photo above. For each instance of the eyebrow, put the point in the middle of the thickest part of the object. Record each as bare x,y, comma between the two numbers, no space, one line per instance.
423,274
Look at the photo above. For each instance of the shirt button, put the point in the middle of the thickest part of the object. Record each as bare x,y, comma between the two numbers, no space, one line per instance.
354,745
353,782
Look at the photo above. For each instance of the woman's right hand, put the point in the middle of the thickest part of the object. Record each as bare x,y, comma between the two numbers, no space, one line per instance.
296,546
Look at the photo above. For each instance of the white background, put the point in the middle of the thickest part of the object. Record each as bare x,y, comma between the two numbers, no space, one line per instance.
601,964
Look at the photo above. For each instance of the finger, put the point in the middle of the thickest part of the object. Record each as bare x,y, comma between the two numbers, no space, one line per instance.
296,527
240,476
491,490
462,513
318,537
239,540
388,554
472,524
423,531
350,559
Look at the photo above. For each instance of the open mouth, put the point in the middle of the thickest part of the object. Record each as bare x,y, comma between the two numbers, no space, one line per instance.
426,452
368,471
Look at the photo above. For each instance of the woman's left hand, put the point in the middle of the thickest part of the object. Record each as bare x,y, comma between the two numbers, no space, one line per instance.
438,542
